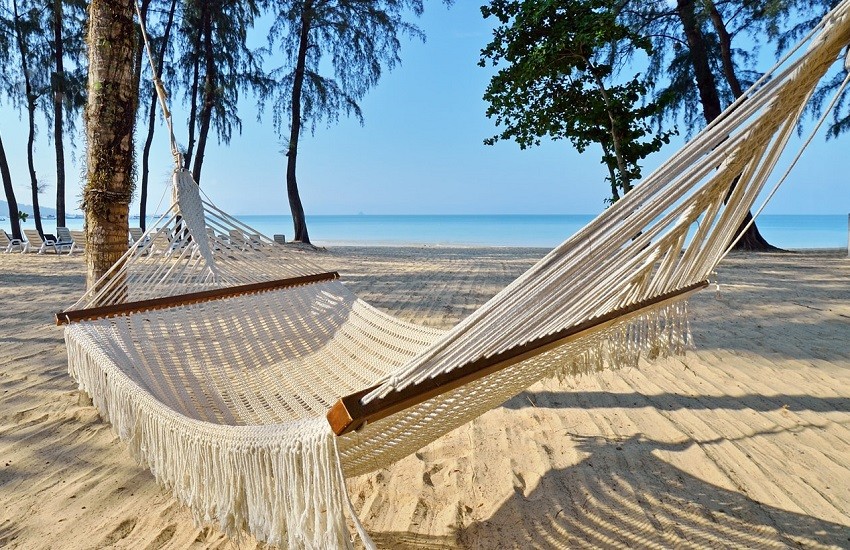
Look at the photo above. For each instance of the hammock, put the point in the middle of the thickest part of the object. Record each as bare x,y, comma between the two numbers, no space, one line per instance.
252,383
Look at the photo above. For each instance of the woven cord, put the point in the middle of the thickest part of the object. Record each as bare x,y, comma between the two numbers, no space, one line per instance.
799,154
161,94
225,400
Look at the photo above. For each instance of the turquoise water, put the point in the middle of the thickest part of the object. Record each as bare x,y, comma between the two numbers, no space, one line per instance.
786,231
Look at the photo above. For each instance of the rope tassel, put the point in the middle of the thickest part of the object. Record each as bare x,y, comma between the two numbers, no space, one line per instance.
281,483
657,334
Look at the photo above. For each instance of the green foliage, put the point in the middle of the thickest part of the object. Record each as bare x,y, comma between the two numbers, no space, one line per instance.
34,24
28,61
23,216
350,44
213,46
74,79
557,60
780,23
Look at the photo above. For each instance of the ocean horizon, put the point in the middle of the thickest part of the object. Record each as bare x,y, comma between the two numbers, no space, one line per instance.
794,231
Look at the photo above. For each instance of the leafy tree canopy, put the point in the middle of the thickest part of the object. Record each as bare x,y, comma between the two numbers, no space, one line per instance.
557,59
349,43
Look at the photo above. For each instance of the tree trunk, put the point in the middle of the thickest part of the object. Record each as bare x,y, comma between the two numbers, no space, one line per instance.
615,194
10,194
725,49
193,108
31,105
209,97
58,96
298,219
143,194
36,209
710,99
624,182
706,84
109,117
752,240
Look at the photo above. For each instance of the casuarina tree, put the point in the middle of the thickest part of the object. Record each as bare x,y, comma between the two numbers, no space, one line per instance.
696,55
334,52
217,65
33,82
160,43
7,62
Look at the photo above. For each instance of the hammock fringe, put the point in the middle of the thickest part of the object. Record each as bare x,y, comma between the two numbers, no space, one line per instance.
293,492
289,494
657,334
224,400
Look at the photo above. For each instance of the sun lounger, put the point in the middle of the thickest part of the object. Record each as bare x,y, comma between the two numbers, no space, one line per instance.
135,234
64,238
35,243
79,238
9,244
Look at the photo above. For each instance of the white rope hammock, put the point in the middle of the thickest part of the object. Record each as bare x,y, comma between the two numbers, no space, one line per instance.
217,354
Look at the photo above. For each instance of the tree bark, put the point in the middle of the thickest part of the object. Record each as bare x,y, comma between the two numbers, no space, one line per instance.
31,105
615,194
706,85
298,219
109,117
752,239
143,194
209,97
725,49
58,96
623,182
10,193
36,209
196,76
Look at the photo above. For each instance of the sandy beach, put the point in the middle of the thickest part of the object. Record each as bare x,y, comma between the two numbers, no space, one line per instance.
743,442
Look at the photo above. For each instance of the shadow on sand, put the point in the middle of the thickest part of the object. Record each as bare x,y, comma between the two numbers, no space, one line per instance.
622,495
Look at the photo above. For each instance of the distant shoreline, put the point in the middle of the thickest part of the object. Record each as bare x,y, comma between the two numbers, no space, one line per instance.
790,232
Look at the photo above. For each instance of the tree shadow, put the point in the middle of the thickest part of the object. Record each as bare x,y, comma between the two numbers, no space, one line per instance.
676,401
412,541
623,495
9,533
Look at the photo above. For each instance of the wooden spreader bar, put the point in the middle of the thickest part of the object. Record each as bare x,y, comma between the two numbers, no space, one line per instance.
66,317
349,414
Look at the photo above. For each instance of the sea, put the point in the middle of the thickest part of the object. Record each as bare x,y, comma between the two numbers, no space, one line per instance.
545,231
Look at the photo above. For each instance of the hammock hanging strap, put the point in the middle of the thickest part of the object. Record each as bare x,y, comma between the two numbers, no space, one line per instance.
161,94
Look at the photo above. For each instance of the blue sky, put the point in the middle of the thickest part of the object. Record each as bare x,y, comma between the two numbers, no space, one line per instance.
421,150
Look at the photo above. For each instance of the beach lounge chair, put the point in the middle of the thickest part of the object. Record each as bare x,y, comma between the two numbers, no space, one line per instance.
65,239
286,382
217,242
238,239
159,242
8,244
79,238
135,234
35,243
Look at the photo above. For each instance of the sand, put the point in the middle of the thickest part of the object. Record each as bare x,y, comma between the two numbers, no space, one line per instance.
744,442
